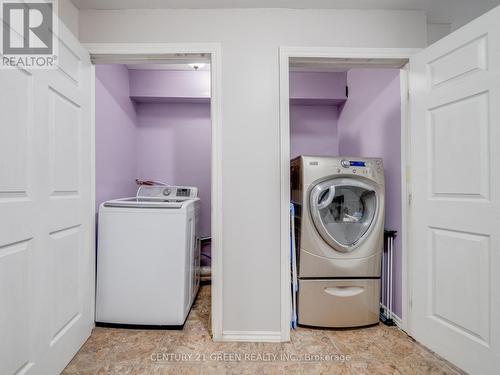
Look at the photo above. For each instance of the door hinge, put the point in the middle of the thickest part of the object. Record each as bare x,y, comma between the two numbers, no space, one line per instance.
410,198
347,91
408,85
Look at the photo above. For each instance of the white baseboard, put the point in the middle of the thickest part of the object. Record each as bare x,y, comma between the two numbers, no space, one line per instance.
397,320
252,336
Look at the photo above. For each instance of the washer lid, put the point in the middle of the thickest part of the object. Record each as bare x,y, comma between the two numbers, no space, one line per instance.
143,202
343,210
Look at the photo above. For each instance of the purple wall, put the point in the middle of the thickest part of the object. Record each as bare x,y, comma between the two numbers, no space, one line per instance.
367,124
313,130
317,85
370,125
115,133
159,141
314,97
162,84
174,146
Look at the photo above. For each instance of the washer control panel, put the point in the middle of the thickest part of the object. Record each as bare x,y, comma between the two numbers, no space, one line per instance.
352,163
372,167
168,192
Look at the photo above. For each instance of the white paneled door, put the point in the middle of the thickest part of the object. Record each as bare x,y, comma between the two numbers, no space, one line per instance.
455,251
46,220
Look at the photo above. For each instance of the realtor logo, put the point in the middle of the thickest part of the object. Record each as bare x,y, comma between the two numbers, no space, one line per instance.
28,33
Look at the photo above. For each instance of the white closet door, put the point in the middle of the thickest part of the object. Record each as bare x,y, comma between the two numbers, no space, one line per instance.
46,219
455,238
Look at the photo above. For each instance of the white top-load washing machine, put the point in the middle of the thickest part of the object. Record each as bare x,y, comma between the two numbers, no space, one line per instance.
148,257
339,221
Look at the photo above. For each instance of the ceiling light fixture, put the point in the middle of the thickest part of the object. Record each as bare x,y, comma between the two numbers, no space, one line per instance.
197,66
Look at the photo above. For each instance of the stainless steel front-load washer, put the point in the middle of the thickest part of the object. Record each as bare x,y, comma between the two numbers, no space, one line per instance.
339,223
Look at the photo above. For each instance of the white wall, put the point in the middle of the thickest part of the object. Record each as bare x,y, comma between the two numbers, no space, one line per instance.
445,16
436,31
250,114
68,14
466,10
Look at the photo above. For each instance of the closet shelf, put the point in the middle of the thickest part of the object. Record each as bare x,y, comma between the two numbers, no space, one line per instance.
318,101
170,99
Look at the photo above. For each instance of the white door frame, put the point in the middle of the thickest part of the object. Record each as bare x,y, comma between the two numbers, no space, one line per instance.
333,52
214,49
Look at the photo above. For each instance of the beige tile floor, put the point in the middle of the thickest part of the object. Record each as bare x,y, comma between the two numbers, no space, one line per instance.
373,350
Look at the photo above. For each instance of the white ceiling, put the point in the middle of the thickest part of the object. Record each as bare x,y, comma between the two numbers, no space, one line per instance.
218,4
438,11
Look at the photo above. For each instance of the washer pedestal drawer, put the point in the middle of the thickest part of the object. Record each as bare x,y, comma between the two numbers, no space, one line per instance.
339,302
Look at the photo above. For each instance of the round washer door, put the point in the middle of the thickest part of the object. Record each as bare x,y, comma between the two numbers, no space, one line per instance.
343,210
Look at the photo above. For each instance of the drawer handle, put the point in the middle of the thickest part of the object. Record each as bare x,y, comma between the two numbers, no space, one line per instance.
344,291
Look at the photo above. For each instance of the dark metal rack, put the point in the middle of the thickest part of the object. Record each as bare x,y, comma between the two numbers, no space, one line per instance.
386,307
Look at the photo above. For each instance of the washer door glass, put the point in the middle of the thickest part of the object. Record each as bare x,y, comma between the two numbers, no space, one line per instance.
342,210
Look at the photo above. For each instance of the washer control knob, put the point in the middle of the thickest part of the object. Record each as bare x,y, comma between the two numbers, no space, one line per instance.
354,170
345,163
166,191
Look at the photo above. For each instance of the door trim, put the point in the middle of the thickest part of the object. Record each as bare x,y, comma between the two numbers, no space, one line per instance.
285,54
404,321
215,50
93,225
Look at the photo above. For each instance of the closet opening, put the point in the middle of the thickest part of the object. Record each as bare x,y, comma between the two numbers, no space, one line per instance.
346,147
153,189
